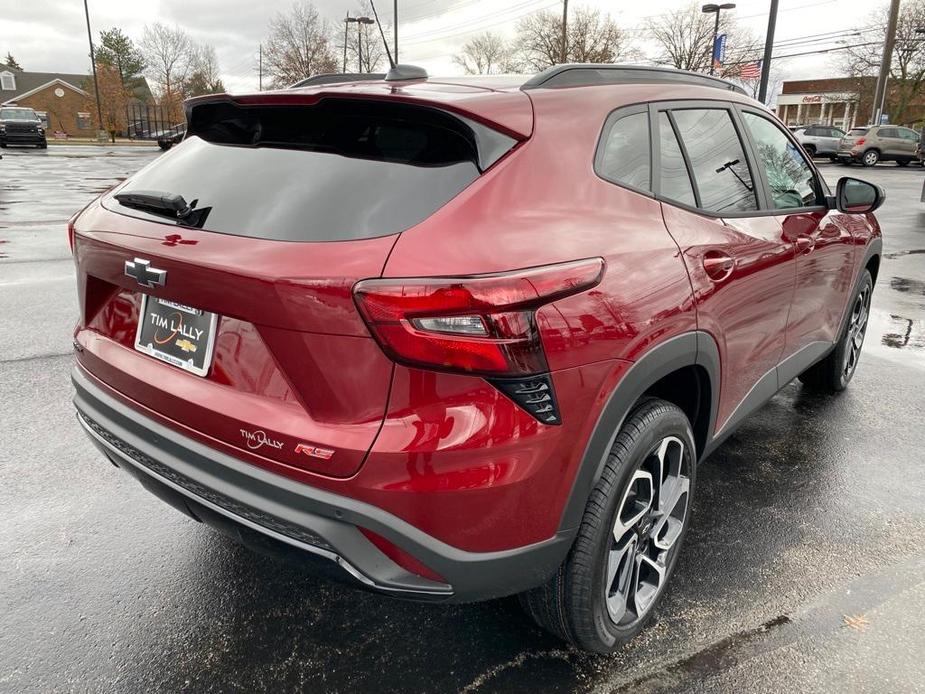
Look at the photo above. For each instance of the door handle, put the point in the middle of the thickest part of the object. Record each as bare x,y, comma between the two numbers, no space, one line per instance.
718,265
805,244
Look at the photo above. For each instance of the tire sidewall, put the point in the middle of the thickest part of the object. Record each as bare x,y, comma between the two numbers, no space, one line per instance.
842,380
671,422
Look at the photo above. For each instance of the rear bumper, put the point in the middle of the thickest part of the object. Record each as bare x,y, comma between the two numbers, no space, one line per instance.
223,491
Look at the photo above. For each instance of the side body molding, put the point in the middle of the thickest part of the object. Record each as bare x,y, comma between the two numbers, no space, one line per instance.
695,348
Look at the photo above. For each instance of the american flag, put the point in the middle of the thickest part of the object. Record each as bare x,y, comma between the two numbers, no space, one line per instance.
750,71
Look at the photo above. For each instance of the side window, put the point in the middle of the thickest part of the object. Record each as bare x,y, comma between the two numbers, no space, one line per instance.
790,178
909,134
623,155
675,182
717,160
887,132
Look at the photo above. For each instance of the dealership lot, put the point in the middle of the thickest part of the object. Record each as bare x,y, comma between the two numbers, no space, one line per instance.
103,587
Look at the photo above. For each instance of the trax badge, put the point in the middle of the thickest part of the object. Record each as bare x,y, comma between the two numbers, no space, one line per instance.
144,274
314,451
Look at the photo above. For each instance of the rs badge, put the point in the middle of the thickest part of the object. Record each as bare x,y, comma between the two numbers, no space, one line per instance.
314,451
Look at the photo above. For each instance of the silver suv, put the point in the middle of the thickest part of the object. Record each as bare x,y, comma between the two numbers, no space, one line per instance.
874,143
819,140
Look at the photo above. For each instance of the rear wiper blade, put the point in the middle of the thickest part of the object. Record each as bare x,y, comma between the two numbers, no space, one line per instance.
155,201
165,204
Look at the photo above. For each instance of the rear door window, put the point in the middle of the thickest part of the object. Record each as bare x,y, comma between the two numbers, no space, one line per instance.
717,160
674,179
330,172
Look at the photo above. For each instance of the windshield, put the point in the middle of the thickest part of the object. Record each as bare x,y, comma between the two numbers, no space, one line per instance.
18,114
857,131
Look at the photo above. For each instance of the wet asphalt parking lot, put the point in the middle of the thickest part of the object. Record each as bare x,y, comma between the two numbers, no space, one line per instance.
804,569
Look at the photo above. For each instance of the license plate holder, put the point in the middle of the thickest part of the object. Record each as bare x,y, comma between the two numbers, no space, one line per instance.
180,335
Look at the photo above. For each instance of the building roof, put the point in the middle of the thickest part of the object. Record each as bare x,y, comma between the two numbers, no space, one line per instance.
28,82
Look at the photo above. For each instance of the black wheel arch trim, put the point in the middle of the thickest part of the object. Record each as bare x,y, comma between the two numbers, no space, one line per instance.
694,348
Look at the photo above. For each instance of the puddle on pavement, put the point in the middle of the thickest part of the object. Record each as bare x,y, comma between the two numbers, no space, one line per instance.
900,254
907,286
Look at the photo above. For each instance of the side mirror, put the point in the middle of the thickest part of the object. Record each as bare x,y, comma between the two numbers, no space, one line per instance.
854,196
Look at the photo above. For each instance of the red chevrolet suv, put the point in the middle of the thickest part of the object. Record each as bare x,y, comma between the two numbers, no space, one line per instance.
466,338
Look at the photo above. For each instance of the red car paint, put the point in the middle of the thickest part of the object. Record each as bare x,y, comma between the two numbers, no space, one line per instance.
448,452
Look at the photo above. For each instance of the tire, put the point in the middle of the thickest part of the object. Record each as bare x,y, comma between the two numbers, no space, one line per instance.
834,373
870,157
902,162
606,590
43,145
810,150
3,145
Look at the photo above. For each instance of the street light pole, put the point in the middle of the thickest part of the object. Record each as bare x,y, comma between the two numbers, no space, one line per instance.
563,52
880,93
768,48
346,26
715,9
96,82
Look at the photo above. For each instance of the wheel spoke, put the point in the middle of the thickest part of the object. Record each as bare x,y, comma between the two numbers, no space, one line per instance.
668,528
620,569
636,502
650,574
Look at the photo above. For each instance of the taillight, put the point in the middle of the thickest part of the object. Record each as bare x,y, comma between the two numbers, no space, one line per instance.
859,141
483,325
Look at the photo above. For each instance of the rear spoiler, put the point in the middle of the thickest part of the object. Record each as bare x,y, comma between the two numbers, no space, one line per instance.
248,120
510,113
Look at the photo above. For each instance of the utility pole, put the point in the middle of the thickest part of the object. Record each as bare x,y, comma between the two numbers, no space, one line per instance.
96,82
260,67
564,48
766,60
880,94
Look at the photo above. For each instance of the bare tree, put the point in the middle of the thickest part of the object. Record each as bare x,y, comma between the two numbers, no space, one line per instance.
907,67
298,46
685,39
592,38
486,54
204,77
168,55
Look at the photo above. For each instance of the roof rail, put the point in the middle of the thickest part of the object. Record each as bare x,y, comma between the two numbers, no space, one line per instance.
337,78
584,74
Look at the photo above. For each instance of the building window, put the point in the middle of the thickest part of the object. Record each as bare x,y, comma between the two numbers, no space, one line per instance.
83,121
8,81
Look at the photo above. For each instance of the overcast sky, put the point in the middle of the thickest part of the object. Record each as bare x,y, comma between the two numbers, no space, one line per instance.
50,35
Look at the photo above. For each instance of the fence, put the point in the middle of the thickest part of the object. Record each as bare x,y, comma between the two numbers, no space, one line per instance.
150,121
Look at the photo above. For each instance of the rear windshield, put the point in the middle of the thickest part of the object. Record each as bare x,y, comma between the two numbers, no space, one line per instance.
857,131
331,172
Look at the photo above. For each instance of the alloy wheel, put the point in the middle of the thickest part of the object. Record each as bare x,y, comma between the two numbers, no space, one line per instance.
857,329
871,158
650,518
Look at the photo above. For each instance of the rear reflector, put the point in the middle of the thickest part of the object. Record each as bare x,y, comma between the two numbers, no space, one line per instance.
483,324
401,557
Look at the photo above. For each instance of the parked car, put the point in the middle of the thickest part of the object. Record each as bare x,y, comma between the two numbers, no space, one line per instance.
874,143
168,138
461,342
820,140
21,126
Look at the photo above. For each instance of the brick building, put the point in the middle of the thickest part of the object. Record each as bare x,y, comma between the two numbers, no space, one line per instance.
57,98
844,102
61,100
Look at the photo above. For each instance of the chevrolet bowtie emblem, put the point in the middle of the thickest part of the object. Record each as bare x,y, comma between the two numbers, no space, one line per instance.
144,274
